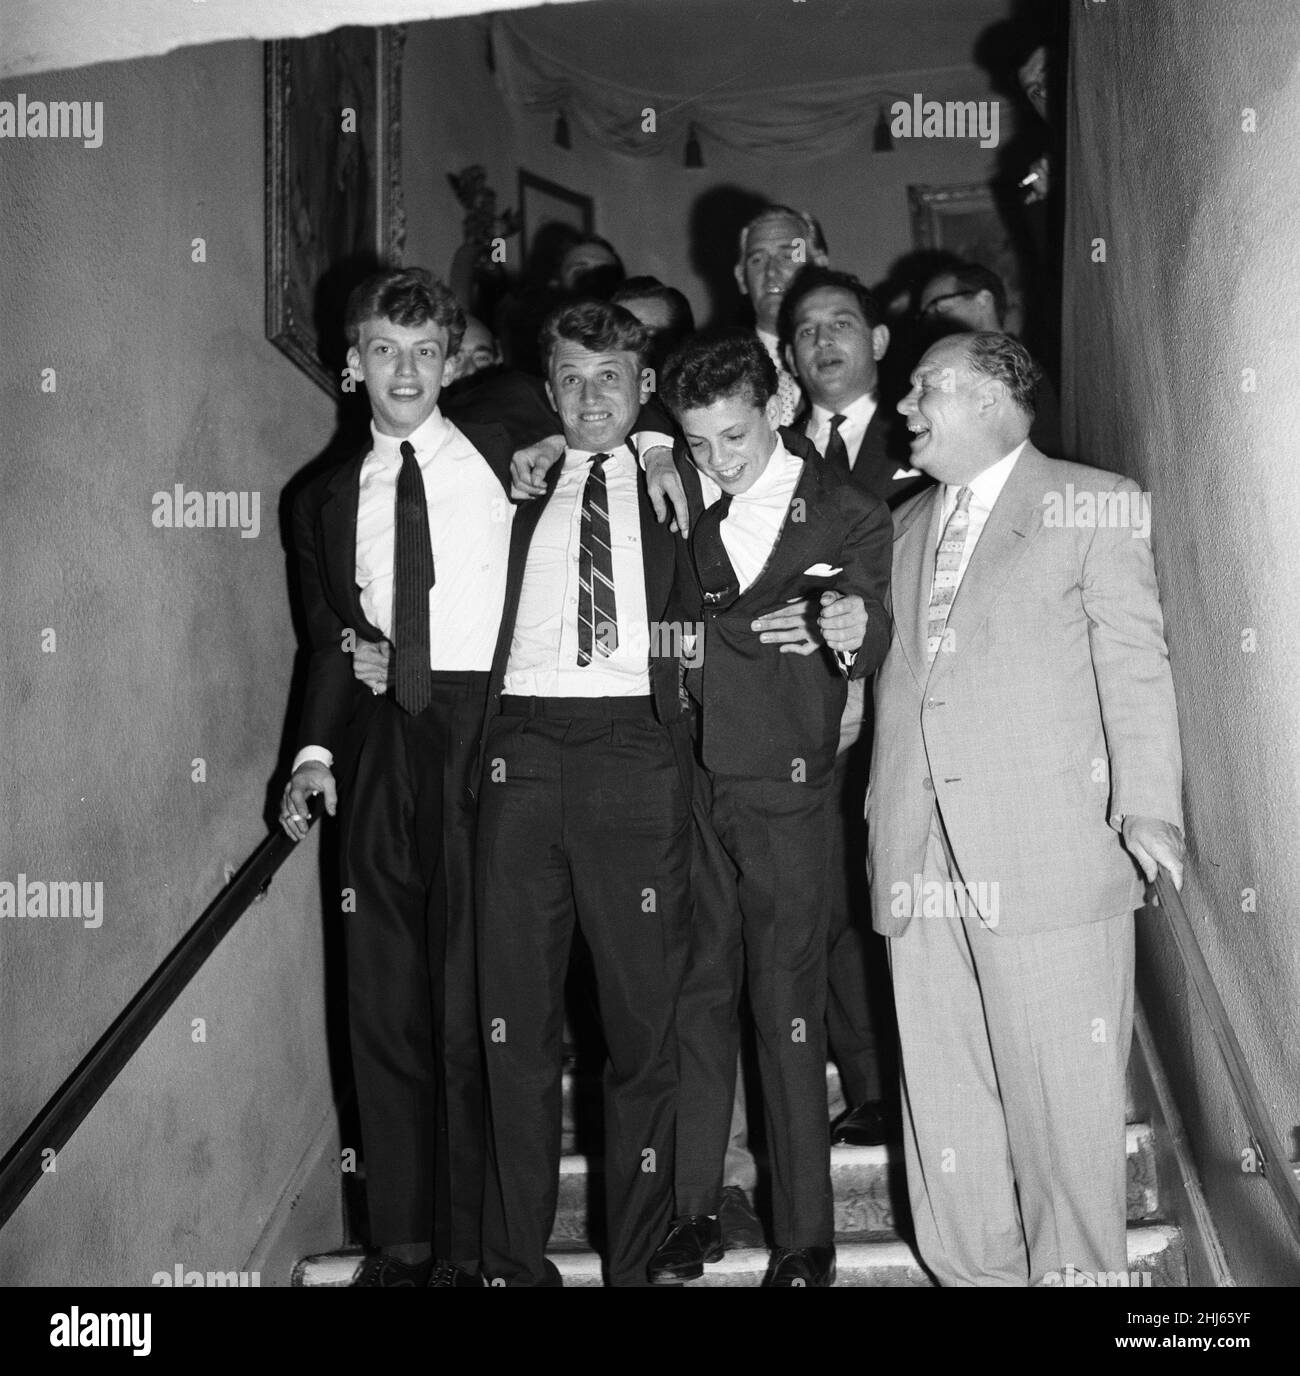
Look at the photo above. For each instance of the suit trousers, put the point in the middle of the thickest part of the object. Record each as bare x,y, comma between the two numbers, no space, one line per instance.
408,844
856,1004
1014,1055
582,821
774,836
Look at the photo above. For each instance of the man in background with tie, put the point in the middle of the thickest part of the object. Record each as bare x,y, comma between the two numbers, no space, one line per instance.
833,335
406,543
1025,775
585,815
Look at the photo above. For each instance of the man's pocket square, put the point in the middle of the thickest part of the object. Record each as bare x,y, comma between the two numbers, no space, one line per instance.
906,473
821,571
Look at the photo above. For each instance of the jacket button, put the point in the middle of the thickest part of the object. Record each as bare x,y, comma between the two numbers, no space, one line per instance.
928,784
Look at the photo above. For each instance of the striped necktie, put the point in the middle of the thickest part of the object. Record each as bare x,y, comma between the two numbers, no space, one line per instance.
412,579
947,565
597,609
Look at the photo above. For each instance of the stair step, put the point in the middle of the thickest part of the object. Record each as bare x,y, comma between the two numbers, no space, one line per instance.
588,1085
860,1179
1155,1250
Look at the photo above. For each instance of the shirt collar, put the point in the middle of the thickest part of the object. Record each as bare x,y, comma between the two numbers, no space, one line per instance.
859,410
576,458
986,487
770,478
426,438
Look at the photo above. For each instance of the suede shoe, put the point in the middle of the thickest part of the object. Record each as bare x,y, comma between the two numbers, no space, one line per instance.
446,1275
740,1226
378,1269
691,1241
801,1266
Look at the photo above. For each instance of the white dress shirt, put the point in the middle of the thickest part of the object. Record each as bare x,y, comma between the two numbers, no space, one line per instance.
754,521
857,416
543,658
469,528
985,489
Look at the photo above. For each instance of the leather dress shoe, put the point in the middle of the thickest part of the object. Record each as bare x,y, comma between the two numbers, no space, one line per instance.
691,1241
389,1272
801,1266
740,1225
446,1275
869,1125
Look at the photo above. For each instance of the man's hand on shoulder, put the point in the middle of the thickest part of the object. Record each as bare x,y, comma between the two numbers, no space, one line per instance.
1152,842
310,778
664,484
529,467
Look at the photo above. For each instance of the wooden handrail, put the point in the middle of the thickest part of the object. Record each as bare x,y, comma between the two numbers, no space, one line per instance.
1273,1162
81,1091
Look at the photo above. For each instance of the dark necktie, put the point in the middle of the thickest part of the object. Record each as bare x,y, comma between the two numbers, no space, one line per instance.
412,579
597,609
718,579
837,454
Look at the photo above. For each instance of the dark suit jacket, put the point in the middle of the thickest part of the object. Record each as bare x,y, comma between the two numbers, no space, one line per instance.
882,451
763,709
337,708
663,599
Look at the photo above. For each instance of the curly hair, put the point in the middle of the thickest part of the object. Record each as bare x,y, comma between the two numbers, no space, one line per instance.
711,366
408,297
597,326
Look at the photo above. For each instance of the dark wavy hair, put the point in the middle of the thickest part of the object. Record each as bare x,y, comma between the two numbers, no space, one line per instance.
711,366
814,278
597,326
405,296
1005,358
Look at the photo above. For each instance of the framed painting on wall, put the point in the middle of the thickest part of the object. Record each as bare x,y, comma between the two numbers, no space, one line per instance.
546,209
333,185
965,220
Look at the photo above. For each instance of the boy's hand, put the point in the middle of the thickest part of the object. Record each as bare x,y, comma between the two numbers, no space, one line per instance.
664,485
370,664
790,627
529,467
842,621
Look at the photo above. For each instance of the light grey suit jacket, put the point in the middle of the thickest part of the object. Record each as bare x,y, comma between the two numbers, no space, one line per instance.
1047,717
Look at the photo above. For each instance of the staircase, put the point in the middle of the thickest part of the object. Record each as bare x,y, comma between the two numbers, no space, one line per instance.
868,1185
867,1182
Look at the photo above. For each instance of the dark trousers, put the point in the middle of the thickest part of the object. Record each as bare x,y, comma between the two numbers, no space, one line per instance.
773,835
583,820
408,846
857,1007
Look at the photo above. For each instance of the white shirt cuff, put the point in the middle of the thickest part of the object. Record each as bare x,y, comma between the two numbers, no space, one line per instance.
646,440
313,754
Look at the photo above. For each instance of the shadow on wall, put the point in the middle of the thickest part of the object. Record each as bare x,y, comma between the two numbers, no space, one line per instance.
717,217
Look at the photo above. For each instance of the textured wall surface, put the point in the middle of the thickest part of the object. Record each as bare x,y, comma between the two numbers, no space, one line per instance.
1181,364
170,646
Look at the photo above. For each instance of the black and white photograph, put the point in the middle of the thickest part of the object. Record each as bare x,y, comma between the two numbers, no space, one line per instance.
650,646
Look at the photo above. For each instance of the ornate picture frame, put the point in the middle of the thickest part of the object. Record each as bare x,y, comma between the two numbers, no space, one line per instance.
333,185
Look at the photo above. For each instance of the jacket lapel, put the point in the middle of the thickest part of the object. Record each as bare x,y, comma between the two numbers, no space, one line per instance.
338,520
1016,516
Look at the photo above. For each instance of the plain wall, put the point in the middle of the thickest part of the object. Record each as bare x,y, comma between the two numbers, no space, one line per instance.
1197,287
171,645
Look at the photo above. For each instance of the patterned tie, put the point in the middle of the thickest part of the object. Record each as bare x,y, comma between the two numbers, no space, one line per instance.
412,579
597,609
789,394
837,452
718,579
947,564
